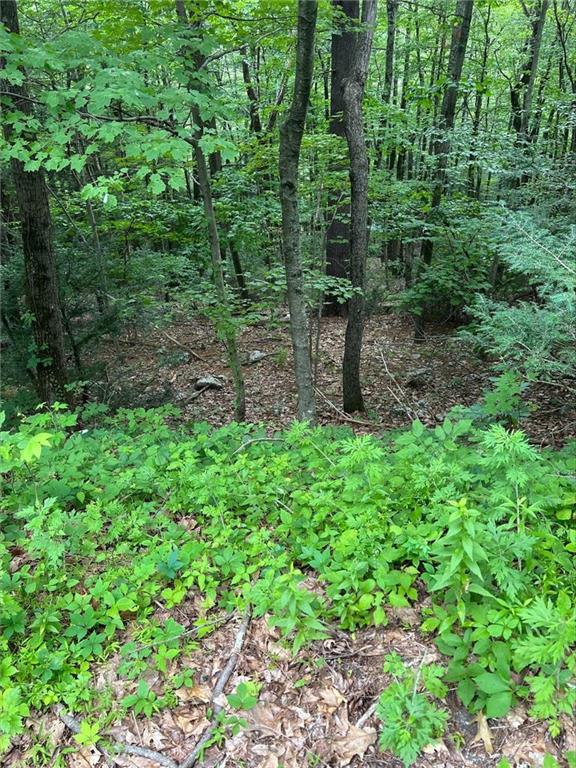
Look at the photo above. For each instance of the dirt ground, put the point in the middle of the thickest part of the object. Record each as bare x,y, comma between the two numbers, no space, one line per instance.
401,380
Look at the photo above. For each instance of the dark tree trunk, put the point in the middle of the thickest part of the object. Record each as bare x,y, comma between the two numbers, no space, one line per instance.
522,91
388,92
474,170
441,146
291,133
42,290
338,234
354,126
255,122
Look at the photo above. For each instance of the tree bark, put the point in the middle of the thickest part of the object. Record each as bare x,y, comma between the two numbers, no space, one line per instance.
474,170
522,91
42,288
354,127
441,146
253,100
291,133
227,330
338,234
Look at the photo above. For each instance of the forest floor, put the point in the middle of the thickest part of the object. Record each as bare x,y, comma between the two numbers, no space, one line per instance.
401,381
315,708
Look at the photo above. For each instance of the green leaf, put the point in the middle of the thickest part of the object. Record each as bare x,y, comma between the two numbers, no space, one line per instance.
491,683
498,704
466,691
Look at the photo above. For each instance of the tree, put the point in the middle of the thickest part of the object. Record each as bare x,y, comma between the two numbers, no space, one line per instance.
338,233
441,145
42,287
522,90
354,126
227,327
291,134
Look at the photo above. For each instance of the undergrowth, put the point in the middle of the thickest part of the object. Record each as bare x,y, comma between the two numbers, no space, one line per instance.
100,525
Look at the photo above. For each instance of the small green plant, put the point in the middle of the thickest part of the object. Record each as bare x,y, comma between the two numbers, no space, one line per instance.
245,696
410,718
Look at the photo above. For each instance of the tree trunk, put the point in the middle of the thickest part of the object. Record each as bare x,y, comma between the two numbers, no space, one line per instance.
255,122
388,92
42,289
354,126
474,170
227,330
522,91
441,146
291,133
338,235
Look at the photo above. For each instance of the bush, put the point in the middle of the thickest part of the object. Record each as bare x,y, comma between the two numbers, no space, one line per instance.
536,337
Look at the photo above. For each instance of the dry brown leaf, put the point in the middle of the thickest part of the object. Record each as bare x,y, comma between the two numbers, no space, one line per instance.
438,748
483,733
87,757
268,717
332,698
270,761
569,732
353,744
189,722
516,717
195,693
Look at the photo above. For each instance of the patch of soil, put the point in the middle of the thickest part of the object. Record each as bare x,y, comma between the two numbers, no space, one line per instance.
401,380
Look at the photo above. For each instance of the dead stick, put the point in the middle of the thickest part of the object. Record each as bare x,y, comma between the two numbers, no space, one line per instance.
344,416
184,347
119,746
367,715
223,678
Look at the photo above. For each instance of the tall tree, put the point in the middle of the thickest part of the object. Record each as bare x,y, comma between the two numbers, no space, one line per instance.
227,328
445,124
354,125
521,92
338,234
42,287
291,133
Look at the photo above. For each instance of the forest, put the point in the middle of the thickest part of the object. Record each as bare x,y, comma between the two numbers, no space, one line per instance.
288,383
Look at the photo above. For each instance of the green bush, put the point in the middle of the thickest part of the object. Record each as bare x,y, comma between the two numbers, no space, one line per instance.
537,337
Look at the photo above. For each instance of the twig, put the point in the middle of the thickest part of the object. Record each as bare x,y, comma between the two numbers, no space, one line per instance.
344,416
367,715
223,678
120,747
184,347
198,393
257,440
411,412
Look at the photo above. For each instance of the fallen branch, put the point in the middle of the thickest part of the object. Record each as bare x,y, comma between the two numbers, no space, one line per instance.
256,440
223,678
345,417
412,413
120,747
198,393
184,347
367,715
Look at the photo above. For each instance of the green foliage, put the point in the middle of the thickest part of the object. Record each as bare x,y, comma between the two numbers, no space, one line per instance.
536,337
313,528
410,719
